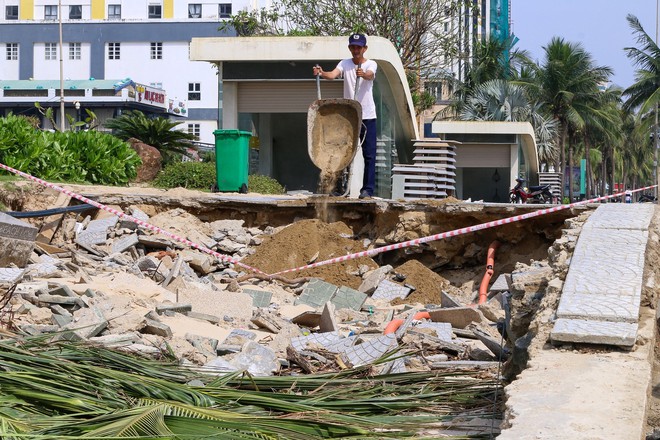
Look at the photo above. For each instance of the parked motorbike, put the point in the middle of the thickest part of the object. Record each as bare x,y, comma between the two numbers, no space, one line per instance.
533,194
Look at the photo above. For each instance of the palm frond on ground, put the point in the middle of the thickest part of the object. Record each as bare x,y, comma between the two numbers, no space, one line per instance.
69,390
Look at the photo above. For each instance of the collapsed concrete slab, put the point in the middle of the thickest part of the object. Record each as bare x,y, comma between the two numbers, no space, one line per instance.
17,240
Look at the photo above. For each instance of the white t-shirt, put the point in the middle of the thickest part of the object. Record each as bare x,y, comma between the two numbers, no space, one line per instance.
365,88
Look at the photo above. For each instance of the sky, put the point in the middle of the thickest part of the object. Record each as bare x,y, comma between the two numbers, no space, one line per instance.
600,26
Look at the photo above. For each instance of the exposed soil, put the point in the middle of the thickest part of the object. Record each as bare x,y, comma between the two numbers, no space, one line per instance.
309,241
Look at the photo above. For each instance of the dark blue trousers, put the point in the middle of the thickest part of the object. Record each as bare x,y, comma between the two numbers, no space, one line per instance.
368,139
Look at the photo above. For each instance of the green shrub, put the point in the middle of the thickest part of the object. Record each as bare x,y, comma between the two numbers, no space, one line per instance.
193,175
82,156
264,185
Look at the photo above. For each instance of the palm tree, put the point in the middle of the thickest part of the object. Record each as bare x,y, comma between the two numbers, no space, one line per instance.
644,95
567,82
157,132
500,100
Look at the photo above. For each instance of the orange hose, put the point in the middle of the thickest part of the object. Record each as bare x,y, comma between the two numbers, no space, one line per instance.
394,324
490,263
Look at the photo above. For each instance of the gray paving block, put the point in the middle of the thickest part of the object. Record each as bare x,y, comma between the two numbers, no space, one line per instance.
347,298
317,293
389,291
260,298
594,332
96,231
371,350
10,274
617,308
16,229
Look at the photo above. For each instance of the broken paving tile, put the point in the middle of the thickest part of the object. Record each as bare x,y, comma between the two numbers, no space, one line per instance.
308,319
316,293
347,298
257,360
121,244
502,283
370,351
389,291
260,298
324,340
10,274
443,330
177,308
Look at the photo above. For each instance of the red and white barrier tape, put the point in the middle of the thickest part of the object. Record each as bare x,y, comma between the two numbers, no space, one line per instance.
133,219
455,232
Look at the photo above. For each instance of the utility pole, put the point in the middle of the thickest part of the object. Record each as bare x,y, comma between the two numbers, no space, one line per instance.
59,16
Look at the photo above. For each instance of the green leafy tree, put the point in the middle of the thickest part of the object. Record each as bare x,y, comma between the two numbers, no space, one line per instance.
416,28
157,132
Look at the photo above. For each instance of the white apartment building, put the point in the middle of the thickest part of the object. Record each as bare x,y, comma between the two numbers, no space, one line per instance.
146,41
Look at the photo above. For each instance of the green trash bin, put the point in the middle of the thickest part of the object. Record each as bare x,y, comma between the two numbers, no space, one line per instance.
231,160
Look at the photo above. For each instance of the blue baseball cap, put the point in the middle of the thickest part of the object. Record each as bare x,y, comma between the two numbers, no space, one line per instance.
357,40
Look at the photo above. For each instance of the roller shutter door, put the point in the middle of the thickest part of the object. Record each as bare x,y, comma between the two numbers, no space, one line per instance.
483,156
283,96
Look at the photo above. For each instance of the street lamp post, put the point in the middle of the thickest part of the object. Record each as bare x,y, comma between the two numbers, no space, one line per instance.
59,16
77,104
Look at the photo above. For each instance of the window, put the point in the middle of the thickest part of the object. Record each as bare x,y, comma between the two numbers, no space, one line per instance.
75,12
50,12
114,12
51,51
156,85
224,10
194,129
156,51
195,10
11,12
194,91
12,51
113,51
155,11
74,51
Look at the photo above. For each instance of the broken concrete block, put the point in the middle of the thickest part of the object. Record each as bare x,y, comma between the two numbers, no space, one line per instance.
62,300
328,322
219,365
388,291
234,342
347,298
96,231
260,298
63,291
16,241
176,308
61,320
459,317
267,320
317,293
199,261
10,274
123,243
370,351
374,278
256,359
116,340
204,317
156,328
199,238
87,323
446,300
502,283
308,319
155,242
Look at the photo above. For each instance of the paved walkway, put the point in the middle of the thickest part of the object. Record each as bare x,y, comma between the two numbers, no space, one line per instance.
602,394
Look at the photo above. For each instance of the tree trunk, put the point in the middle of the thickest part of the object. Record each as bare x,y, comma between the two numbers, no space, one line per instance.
587,175
570,172
562,157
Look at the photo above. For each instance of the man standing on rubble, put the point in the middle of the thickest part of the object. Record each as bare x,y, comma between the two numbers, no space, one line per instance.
351,69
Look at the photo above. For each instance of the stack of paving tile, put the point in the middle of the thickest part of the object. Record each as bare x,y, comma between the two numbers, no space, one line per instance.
430,176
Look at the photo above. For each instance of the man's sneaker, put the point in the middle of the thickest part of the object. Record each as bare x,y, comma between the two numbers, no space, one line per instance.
364,195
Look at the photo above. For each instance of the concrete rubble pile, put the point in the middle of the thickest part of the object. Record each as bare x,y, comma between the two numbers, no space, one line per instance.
111,282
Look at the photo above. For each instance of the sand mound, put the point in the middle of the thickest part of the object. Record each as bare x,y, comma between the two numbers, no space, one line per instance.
310,241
